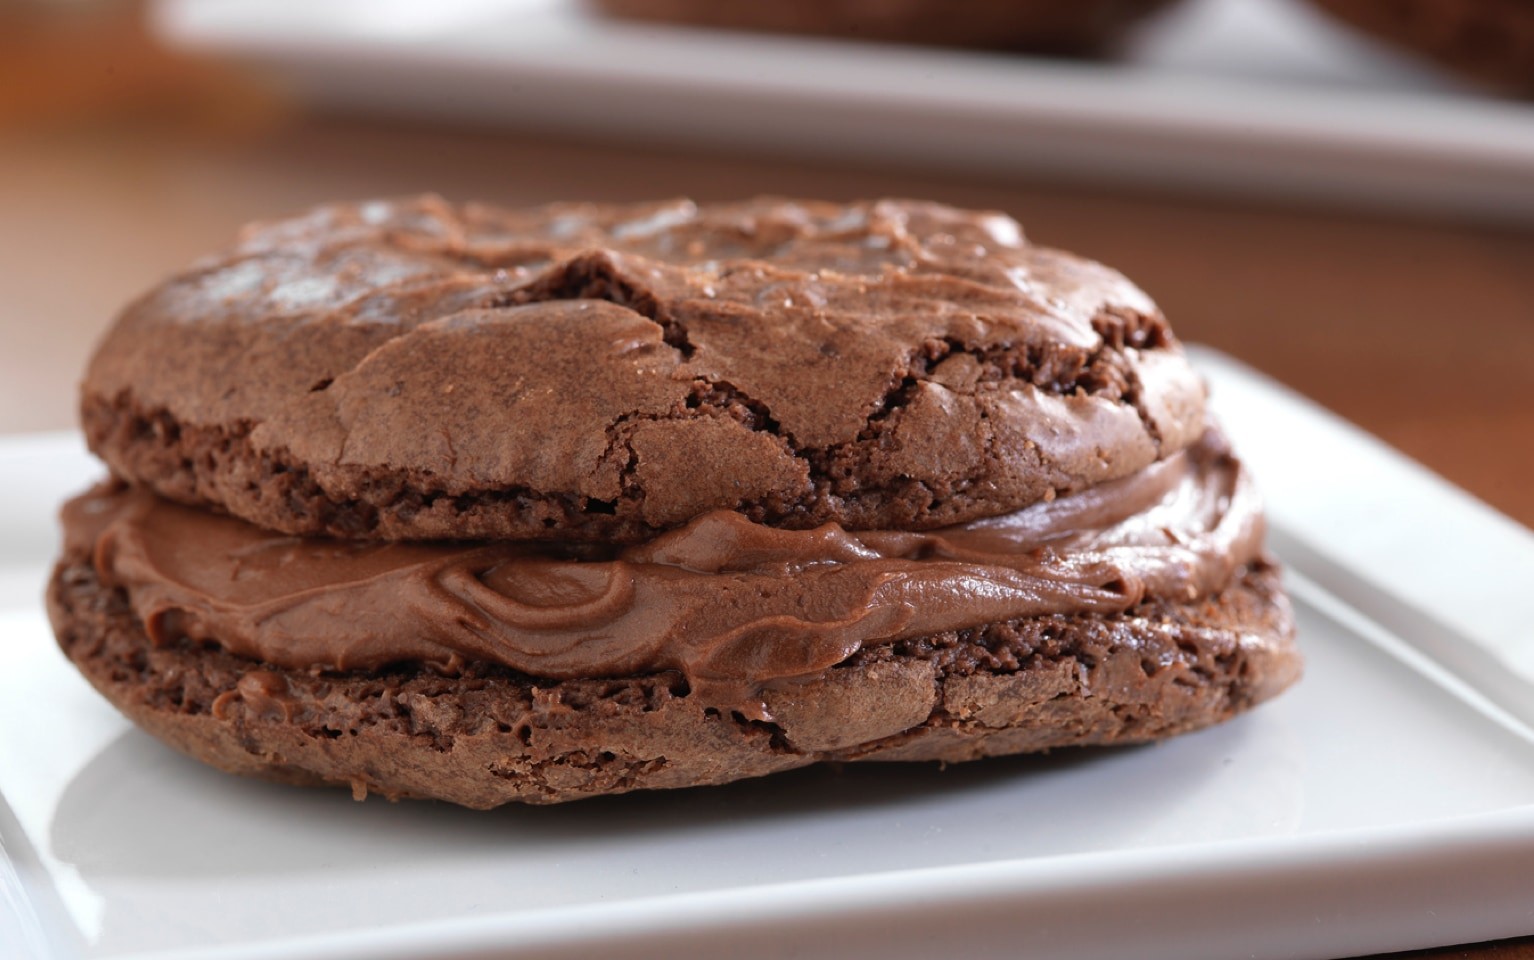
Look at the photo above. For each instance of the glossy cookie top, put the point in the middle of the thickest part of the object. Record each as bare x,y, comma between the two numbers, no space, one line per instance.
416,369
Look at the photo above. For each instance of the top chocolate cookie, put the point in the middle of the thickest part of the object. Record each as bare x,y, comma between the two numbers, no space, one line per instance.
415,369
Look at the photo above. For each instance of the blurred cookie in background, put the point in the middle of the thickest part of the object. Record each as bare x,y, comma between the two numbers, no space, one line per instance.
1047,26
1491,41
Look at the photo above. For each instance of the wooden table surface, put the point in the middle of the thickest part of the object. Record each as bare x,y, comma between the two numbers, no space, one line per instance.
1422,332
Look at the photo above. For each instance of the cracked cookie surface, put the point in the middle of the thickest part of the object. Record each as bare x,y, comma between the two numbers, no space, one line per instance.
415,369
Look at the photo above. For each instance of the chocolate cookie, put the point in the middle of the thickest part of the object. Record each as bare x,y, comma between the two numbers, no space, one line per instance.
1038,25
1491,41
597,499
485,673
413,369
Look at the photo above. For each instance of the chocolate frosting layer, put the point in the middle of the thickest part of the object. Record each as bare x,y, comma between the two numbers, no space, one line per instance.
731,604
429,370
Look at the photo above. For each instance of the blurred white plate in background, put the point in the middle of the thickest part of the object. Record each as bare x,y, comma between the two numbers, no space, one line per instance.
1244,96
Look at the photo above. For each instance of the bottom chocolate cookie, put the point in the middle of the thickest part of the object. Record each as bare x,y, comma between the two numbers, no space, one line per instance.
491,735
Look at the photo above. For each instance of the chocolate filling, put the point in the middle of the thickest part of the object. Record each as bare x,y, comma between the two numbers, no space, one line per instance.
733,605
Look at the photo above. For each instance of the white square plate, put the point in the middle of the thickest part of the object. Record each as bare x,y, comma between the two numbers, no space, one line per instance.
1387,802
